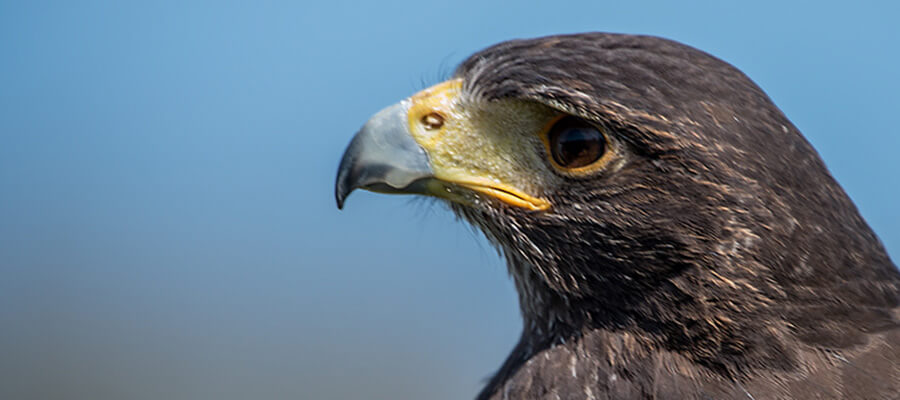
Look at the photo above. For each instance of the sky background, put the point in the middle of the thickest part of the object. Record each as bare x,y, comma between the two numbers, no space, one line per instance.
167,221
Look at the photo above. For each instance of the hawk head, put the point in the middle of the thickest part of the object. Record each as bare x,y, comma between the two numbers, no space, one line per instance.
638,185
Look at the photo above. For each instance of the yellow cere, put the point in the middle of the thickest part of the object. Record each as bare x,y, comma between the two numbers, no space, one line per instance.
487,147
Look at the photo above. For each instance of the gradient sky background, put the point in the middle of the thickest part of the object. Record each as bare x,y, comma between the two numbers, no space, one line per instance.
167,221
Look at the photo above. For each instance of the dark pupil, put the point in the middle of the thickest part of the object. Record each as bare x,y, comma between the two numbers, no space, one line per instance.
575,143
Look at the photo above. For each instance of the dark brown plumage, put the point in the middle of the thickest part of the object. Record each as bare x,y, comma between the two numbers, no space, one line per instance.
719,260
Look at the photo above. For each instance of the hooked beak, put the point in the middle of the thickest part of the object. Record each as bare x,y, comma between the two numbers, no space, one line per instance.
383,157
408,148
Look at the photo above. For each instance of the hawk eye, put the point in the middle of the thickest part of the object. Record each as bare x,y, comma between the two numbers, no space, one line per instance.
575,142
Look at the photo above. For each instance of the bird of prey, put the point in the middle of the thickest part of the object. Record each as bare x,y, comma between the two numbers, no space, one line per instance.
670,233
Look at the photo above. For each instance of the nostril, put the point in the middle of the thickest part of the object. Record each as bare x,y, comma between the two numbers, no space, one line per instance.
433,121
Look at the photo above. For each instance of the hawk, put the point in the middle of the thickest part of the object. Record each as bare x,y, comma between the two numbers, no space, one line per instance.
670,233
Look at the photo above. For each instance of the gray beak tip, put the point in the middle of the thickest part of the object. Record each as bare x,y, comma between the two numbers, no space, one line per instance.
344,184
340,200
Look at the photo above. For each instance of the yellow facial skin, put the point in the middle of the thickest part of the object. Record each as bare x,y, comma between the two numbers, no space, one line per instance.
486,147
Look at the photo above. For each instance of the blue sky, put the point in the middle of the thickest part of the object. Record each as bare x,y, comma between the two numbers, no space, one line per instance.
167,221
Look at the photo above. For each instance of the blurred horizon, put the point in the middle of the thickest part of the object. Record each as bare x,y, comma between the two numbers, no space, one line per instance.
167,220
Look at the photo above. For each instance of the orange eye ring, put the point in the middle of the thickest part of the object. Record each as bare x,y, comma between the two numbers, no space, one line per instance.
575,145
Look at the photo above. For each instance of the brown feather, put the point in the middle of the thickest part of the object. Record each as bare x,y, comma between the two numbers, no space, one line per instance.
721,261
